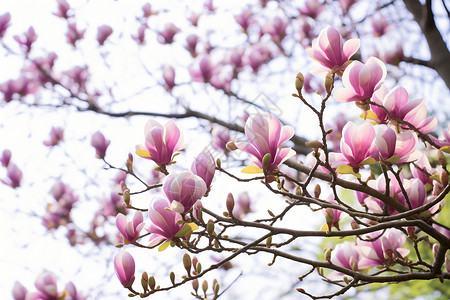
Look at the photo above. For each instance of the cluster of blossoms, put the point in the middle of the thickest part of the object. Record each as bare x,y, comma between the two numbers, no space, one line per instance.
47,289
58,213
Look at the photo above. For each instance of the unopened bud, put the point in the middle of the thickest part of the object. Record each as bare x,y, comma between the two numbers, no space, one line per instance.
266,161
130,163
300,290
144,281
210,227
198,267
230,204
317,191
231,146
354,224
151,282
329,82
194,262
172,277
315,144
327,254
447,263
126,198
216,287
411,232
187,263
298,190
329,216
205,286
195,285
269,242
299,81
441,159
435,249
218,163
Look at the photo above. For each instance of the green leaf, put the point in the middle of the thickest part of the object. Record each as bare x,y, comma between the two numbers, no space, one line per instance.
394,159
143,153
164,246
346,169
251,170
445,149
369,161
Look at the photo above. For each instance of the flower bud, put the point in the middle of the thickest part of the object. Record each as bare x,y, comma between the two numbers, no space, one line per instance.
441,159
230,204
215,287
130,163
315,144
266,160
269,242
210,227
198,267
411,231
195,285
354,225
205,286
329,81
194,262
231,146
435,249
172,277
447,263
317,191
151,282
327,254
444,178
144,281
187,263
299,81
124,267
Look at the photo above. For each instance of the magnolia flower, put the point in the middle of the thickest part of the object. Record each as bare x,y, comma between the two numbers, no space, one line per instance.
184,189
130,230
103,33
415,112
346,255
100,144
257,55
73,34
446,133
46,284
379,25
167,35
160,142
235,59
191,44
358,144
330,50
346,4
204,70
383,250
361,80
19,291
376,205
220,138
396,148
169,77
164,223
423,163
245,19
332,216
140,37
63,8
124,268
28,39
6,157
276,28
242,206
14,176
4,23
312,8
147,10
204,166
56,135
72,293
266,135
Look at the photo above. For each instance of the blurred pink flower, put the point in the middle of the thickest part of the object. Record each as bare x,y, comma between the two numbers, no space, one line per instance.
257,55
242,206
19,291
103,32
100,144
204,69
167,35
266,135
147,10
379,25
183,189
73,34
63,9
423,163
140,37
14,176
346,4
5,158
361,80
276,28
245,19
220,138
46,285
160,142
164,223
27,40
191,44
124,268
4,23
169,77
312,8
56,136
330,50
204,166
446,136
130,230
358,144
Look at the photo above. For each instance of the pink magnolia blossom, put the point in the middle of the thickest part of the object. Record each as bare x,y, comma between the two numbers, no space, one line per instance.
423,163
73,34
220,138
235,59
72,293
147,10
376,205
208,4
76,78
266,135
446,142
332,216
56,136
130,230
417,195
167,35
276,28
103,33
42,66
4,23
183,189
6,157
46,285
335,159
161,142
346,255
383,250
191,44
164,223
204,69
222,80
19,291
28,39
346,4
379,25
63,9
193,18
358,144
100,144
257,55
20,87
330,50
245,19
312,85
242,206
169,77
204,166
361,80
391,54
312,8
140,37
415,112
389,143
124,267
58,213
14,176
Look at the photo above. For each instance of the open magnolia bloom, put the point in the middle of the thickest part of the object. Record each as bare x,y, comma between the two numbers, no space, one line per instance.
161,142
265,135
